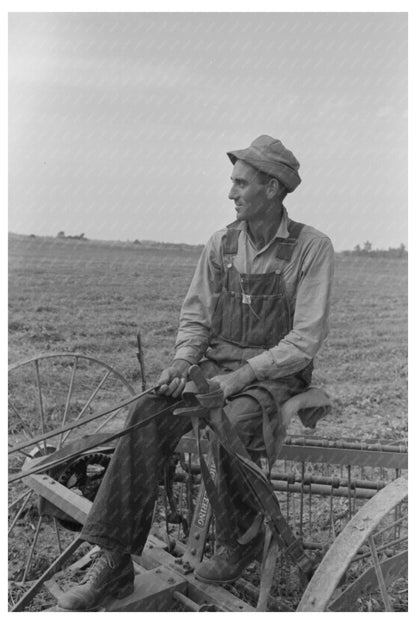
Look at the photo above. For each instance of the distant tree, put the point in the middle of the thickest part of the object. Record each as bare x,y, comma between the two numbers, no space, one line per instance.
61,234
357,249
367,247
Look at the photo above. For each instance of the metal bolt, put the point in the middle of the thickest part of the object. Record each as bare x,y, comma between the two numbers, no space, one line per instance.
193,551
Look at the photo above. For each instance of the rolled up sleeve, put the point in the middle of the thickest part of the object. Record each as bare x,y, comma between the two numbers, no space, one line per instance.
310,320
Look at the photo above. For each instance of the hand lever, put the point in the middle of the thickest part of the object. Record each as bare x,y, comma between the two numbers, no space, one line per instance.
199,379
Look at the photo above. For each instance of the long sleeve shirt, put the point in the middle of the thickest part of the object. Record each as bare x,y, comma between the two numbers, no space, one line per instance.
307,278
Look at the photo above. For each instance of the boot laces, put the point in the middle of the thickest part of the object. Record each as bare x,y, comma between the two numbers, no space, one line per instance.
100,560
225,551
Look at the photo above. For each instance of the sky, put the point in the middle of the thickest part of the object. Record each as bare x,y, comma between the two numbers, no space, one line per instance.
119,123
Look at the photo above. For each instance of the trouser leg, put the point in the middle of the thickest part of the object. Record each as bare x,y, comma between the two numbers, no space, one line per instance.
234,497
246,415
122,511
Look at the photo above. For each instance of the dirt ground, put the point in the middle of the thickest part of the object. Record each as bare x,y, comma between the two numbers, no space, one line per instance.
91,298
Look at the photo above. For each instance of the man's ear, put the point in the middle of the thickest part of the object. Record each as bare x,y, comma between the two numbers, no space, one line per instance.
273,188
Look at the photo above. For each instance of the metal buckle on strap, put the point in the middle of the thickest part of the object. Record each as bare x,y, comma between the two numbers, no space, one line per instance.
297,554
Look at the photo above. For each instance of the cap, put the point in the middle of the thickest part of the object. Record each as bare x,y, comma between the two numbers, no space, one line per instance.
270,156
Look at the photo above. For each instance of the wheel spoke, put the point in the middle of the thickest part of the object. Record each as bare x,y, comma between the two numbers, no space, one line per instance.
25,453
26,497
389,527
107,420
18,499
58,537
379,573
380,549
32,549
40,401
89,401
68,399
22,422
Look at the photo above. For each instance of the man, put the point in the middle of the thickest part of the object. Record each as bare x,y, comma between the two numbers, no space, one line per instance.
253,319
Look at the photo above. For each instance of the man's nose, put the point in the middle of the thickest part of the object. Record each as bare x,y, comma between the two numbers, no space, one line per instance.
233,193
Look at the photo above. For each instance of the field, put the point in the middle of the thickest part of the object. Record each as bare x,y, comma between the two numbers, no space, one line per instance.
92,297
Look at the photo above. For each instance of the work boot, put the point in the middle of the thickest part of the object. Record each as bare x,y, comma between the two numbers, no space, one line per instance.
229,562
111,574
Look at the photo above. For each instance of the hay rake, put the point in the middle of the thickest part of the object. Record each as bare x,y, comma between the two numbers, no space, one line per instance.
346,502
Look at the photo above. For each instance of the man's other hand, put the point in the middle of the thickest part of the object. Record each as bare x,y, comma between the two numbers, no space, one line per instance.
173,379
234,382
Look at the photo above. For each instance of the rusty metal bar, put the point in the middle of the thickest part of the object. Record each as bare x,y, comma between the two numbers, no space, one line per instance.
303,490
322,490
290,483
334,481
344,456
349,491
342,444
328,452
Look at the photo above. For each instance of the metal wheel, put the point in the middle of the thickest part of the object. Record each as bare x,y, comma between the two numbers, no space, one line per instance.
366,560
45,393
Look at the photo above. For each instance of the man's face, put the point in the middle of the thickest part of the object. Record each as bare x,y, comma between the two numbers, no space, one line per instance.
247,193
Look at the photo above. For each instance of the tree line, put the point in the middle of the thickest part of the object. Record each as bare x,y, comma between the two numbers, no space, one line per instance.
367,250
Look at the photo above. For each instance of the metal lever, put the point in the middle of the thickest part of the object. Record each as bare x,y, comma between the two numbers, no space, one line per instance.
139,354
199,380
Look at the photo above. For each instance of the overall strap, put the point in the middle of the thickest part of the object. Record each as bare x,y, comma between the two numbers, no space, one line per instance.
294,228
230,240
287,245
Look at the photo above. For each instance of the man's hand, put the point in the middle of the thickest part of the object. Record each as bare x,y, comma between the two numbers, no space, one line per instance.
232,383
173,379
